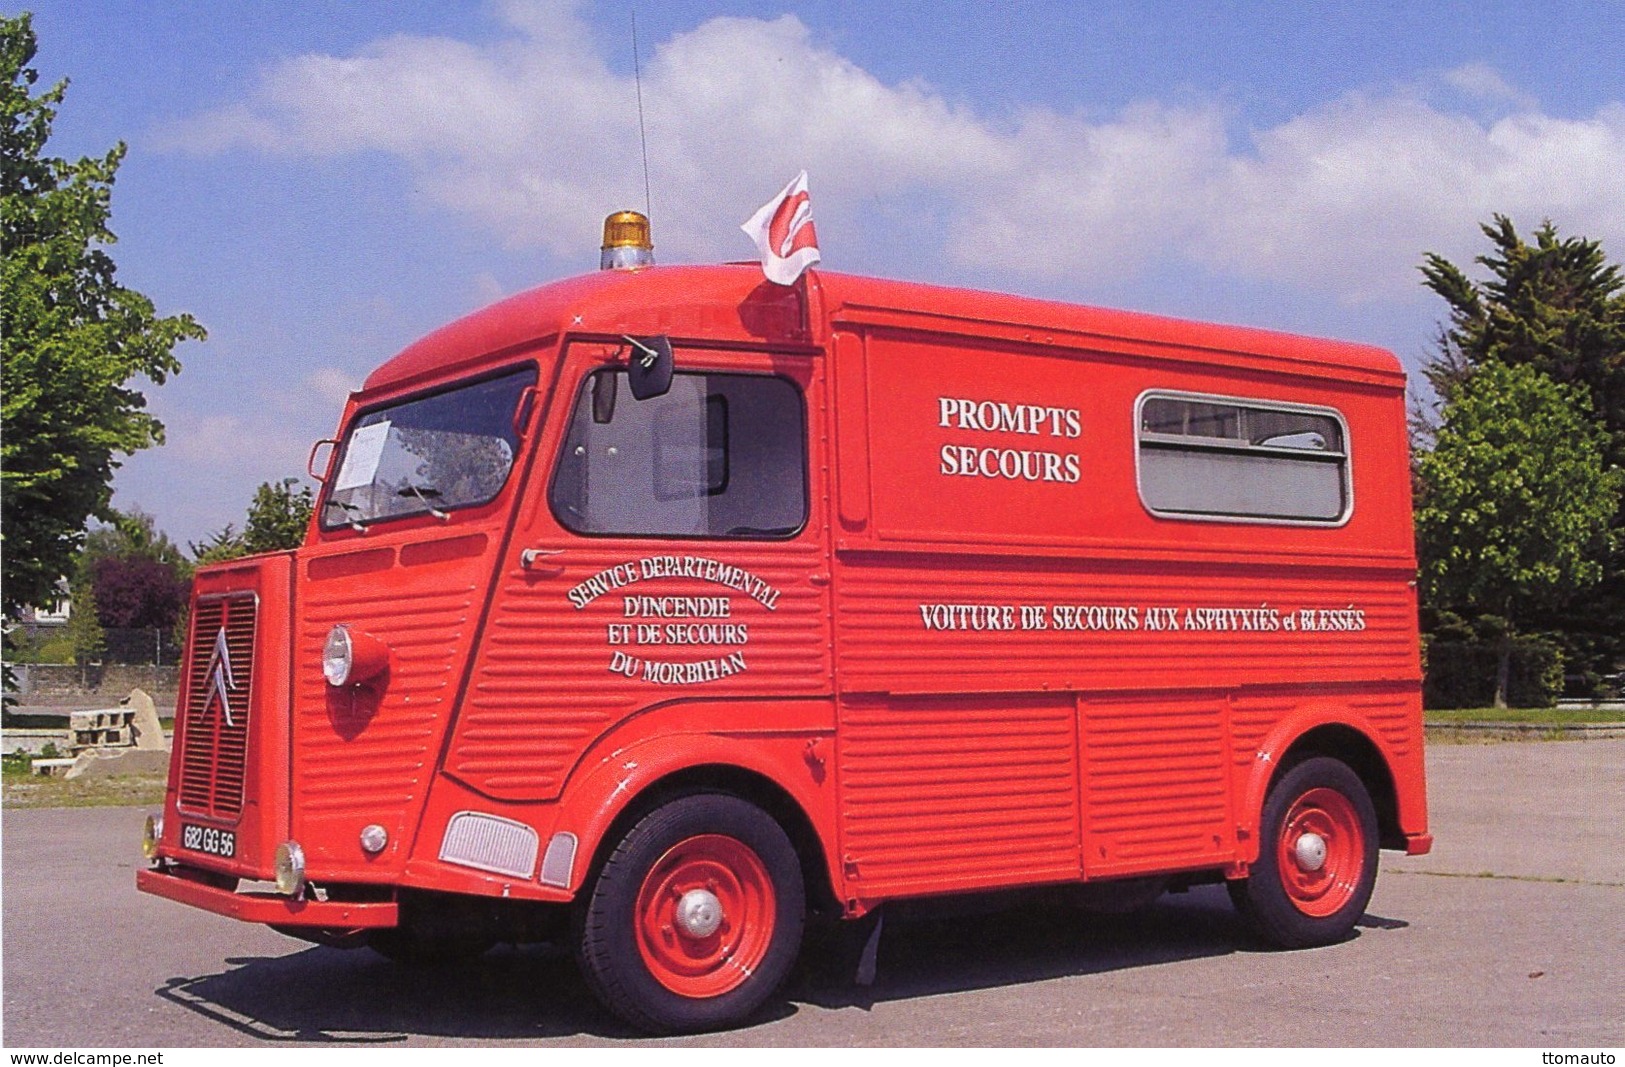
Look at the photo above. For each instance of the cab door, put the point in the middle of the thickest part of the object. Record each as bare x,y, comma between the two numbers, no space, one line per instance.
667,550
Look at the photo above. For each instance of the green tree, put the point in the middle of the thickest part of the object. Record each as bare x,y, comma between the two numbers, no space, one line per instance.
133,534
1556,304
84,627
225,543
1518,499
72,337
277,520
125,540
279,516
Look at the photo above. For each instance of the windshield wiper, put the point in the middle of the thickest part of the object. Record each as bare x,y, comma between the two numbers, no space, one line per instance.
761,531
350,513
423,493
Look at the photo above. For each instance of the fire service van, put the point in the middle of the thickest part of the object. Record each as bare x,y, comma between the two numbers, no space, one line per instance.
661,608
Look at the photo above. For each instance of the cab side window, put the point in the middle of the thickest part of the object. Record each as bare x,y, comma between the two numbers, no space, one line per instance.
720,455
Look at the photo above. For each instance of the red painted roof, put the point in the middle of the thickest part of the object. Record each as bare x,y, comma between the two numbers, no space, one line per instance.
734,303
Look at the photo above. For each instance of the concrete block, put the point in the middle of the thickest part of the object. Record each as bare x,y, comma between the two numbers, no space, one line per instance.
32,740
102,727
103,763
99,718
53,768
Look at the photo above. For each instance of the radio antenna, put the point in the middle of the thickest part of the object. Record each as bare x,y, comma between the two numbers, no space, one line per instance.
643,138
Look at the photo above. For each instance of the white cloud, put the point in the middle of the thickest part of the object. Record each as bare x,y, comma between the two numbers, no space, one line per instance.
484,288
230,444
332,385
534,139
1352,193
1484,82
218,459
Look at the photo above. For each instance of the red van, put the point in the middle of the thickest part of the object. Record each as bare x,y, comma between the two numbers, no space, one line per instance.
661,607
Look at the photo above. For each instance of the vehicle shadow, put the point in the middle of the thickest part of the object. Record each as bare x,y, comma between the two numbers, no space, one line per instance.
333,996
324,995
970,948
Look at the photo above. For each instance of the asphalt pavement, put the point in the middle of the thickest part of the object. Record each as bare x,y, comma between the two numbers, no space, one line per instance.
1509,934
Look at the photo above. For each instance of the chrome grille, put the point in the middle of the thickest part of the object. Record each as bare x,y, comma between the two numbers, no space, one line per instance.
219,683
490,843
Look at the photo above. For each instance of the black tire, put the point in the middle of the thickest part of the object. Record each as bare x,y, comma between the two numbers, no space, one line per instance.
666,973
1289,902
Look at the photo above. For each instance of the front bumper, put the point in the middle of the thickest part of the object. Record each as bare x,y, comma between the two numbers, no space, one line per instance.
270,908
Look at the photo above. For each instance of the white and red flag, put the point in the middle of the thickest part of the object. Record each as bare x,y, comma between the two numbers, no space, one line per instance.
783,232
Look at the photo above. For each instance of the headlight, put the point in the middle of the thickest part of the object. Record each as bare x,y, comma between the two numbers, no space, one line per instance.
290,868
338,656
151,834
351,657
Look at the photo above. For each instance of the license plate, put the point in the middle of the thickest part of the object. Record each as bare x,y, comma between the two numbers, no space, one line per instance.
209,839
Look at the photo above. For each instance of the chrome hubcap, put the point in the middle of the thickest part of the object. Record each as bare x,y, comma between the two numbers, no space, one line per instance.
699,913
1310,852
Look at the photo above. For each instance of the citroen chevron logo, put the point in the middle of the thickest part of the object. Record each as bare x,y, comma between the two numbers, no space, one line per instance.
221,680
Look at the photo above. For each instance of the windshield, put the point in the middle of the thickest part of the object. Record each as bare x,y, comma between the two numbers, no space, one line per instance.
432,454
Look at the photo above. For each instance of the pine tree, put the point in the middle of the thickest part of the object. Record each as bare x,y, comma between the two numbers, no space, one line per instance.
1556,305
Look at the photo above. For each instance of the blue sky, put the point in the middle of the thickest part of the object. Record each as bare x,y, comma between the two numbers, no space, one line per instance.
320,183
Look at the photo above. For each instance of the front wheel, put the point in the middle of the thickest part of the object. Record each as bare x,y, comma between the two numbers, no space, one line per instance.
695,918
1317,860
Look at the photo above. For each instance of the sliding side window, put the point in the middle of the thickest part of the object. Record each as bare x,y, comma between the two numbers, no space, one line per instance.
1217,458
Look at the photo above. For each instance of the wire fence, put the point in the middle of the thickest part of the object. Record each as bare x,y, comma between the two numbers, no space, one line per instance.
152,646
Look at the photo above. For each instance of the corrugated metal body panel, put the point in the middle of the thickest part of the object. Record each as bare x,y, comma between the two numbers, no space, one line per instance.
544,688
1391,711
1155,783
884,644
365,754
994,541
551,676
938,795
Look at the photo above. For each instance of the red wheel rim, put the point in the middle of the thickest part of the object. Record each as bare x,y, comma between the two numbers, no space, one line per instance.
690,948
1323,889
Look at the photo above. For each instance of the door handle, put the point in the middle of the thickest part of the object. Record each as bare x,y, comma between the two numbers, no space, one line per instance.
536,558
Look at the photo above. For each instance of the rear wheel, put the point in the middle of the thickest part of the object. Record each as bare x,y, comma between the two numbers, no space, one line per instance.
695,918
1317,861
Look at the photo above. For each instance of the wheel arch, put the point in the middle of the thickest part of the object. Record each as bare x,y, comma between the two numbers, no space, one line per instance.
1342,742
1340,735
783,773
729,779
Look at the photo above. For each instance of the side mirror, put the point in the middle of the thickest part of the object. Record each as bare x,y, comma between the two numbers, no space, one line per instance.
318,470
649,373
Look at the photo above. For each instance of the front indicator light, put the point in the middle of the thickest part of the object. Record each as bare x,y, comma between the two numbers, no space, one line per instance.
151,834
290,869
374,839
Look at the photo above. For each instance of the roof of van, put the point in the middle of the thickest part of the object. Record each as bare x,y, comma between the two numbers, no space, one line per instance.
735,303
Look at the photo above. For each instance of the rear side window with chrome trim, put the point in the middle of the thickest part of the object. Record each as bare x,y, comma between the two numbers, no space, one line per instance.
1204,457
